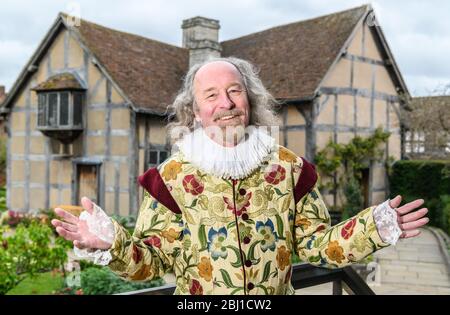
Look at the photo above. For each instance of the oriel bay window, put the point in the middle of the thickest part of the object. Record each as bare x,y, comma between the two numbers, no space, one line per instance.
60,107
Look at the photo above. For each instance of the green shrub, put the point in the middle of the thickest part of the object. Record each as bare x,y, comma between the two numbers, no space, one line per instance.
347,162
104,281
128,222
29,251
85,264
354,198
2,199
14,218
429,180
445,218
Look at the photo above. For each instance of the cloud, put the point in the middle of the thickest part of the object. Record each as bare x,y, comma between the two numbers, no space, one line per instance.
422,85
13,56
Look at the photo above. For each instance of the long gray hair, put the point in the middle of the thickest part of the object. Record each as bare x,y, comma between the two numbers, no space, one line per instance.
262,103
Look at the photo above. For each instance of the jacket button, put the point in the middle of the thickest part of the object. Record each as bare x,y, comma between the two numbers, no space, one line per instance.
248,263
246,240
250,286
242,191
245,217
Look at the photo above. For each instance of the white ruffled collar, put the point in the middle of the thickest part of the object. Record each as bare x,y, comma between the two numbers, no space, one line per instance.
227,162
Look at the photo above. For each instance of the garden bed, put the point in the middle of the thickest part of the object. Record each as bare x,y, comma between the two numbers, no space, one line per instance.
33,255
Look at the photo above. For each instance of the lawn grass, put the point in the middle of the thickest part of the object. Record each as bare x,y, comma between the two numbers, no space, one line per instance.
44,283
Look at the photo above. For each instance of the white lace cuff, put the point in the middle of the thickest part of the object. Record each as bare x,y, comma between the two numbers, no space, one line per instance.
387,223
101,225
98,257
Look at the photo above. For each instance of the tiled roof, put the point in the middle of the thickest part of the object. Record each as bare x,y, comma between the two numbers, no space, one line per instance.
147,71
294,58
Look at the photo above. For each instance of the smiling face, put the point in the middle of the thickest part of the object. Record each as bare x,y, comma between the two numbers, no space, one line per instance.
220,96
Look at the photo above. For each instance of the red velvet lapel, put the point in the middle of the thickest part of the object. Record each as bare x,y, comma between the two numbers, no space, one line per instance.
307,180
154,184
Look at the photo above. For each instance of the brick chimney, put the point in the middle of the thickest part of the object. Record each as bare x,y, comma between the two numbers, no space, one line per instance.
2,94
201,37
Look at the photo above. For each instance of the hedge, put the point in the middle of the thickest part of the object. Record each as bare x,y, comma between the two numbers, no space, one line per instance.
429,180
95,281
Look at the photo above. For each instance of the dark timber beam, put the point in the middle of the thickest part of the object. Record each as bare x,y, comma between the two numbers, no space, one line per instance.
359,92
133,147
362,59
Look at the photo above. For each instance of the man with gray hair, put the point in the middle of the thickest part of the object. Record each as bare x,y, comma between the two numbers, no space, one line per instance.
227,211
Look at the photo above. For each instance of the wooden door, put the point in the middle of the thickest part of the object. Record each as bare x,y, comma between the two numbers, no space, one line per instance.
87,181
365,186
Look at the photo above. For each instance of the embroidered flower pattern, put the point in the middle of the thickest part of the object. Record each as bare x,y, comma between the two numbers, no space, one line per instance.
347,231
215,244
267,235
205,268
137,254
283,257
335,252
196,288
241,204
171,170
360,242
171,235
244,231
304,223
193,185
154,241
275,174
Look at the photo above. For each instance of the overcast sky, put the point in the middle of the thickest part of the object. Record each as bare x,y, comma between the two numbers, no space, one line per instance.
417,31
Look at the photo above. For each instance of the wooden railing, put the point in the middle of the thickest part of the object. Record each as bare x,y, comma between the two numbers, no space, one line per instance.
303,276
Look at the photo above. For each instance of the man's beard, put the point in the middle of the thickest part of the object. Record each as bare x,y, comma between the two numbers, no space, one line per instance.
232,130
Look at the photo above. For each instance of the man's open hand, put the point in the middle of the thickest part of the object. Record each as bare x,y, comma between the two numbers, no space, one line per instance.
409,218
76,230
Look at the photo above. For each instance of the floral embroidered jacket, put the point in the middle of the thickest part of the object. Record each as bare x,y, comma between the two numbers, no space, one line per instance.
223,236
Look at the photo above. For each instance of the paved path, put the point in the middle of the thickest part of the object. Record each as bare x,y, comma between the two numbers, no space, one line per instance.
413,266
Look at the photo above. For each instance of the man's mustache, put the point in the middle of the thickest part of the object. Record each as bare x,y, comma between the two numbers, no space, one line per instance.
232,112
